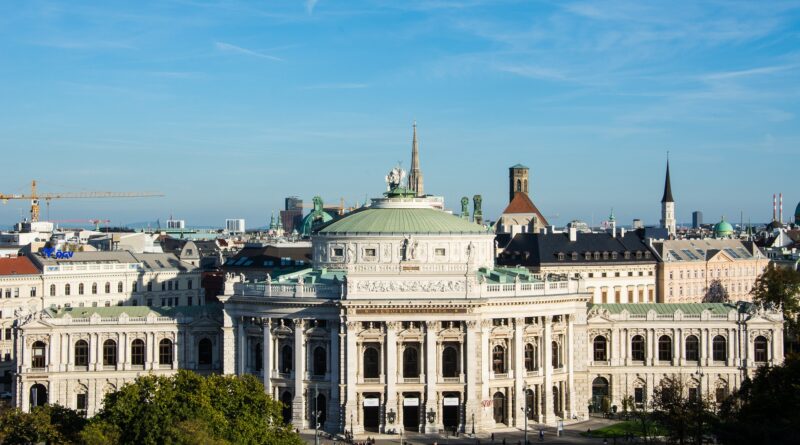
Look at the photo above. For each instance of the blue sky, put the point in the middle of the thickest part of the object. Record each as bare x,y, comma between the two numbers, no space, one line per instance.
228,106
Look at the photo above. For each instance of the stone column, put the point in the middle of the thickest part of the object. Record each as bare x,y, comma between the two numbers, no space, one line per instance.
228,344
431,376
241,343
391,371
351,354
266,354
333,400
570,367
486,418
471,403
519,373
298,404
548,416
731,356
676,349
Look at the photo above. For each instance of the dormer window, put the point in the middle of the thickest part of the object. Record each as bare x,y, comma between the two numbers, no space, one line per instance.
638,254
627,255
574,256
605,255
597,255
647,254
561,256
588,256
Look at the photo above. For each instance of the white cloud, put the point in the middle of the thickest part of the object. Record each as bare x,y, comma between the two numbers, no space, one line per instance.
310,4
227,47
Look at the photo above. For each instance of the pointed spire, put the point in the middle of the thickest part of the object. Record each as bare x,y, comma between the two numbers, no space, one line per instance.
415,182
667,186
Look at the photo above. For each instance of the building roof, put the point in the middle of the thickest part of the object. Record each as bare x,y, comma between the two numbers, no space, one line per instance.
705,248
133,311
534,249
162,261
670,308
667,188
117,256
271,257
400,221
20,265
519,166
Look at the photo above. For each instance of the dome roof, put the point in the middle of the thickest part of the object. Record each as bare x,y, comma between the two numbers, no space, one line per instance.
401,221
723,228
313,220
797,214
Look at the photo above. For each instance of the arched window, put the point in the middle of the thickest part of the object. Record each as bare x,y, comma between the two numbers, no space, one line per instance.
165,352
720,348
519,185
120,287
410,362
450,362
499,359
531,359
38,395
109,353
258,357
499,403
556,361
81,353
52,290
599,392
38,355
94,288
372,364
137,352
285,364
320,361
108,287
760,349
692,348
66,289
80,288
204,355
530,400
665,348
321,408
637,348
600,349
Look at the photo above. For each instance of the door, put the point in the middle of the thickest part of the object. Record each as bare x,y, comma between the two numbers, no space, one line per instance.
499,402
372,414
411,412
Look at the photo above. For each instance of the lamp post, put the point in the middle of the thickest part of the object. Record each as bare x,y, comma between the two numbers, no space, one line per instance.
699,402
316,416
352,435
525,413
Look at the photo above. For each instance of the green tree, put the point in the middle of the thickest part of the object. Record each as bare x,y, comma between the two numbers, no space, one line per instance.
684,419
50,424
781,287
169,410
765,409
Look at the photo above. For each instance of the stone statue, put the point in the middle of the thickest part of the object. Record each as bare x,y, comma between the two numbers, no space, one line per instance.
409,248
317,204
465,207
395,178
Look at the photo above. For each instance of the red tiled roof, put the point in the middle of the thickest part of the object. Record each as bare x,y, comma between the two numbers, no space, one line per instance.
522,204
20,265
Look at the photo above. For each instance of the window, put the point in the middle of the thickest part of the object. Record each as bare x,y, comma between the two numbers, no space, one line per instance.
450,362
721,394
531,362
499,360
204,354
258,357
38,355
189,284
372,365
760,349
80,401
561,256
638,396
33,292
81,353
150,286
320,361
163,285
8,333
338,251
637,348
165,352
109,353
169,285
52,290
720,348
370,252
693,393
188,301
80,289
665,348
692,348
556,355
410,362
604,294
137,352
135,286
600,349
66,289
439,252
120,287
94,288
285,366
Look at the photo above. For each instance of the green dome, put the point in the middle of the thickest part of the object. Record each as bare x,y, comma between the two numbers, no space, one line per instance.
797,214
314,219
401,221
723,228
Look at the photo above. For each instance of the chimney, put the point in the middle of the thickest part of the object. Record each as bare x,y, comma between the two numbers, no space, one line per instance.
613,229
622,232
781,209
573,234
774,207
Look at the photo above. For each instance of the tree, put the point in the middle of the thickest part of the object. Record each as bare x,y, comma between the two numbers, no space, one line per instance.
765,409
51,424
716,293
781,287
685,419
171,410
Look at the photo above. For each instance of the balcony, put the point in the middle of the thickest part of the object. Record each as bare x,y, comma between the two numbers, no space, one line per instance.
410,380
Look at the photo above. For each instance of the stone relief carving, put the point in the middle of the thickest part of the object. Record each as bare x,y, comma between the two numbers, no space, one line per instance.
411,286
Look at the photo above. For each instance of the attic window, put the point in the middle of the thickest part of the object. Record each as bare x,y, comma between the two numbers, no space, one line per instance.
588,256
647,254
597,255
613,255
189,252
561,256
574,256
605,255
638,254
627,255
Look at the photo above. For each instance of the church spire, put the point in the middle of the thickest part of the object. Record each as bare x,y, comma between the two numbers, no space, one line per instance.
667,187
415,182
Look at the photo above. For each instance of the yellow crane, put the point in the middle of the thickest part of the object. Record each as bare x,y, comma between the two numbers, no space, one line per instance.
36,197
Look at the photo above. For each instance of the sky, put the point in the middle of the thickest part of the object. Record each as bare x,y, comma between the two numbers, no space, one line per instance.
228,106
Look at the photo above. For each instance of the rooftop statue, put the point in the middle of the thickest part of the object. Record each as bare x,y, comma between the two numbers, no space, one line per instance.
395,178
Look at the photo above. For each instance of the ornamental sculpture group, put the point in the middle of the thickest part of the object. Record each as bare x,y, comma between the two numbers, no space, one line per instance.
411,286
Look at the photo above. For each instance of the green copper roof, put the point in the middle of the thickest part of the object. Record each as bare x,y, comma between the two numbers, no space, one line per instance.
132,311
519,166
669,308
723,228
400,221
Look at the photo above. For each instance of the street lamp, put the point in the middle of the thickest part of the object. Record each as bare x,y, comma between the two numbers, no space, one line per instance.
525,414
699,402
317,413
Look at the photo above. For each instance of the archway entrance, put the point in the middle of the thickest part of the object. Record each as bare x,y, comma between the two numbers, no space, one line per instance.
450,410
372,412
599,393
499,403
411,411
286,399
38,395
322,410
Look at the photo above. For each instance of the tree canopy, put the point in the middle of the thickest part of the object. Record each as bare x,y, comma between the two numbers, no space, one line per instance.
780,286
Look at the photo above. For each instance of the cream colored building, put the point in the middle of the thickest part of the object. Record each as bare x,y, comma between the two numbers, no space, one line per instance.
695,270
75,356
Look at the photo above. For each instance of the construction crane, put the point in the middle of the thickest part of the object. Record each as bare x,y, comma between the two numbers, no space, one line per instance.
95,222
36,197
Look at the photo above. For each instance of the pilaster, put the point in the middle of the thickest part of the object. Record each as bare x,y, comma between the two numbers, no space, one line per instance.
298,403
